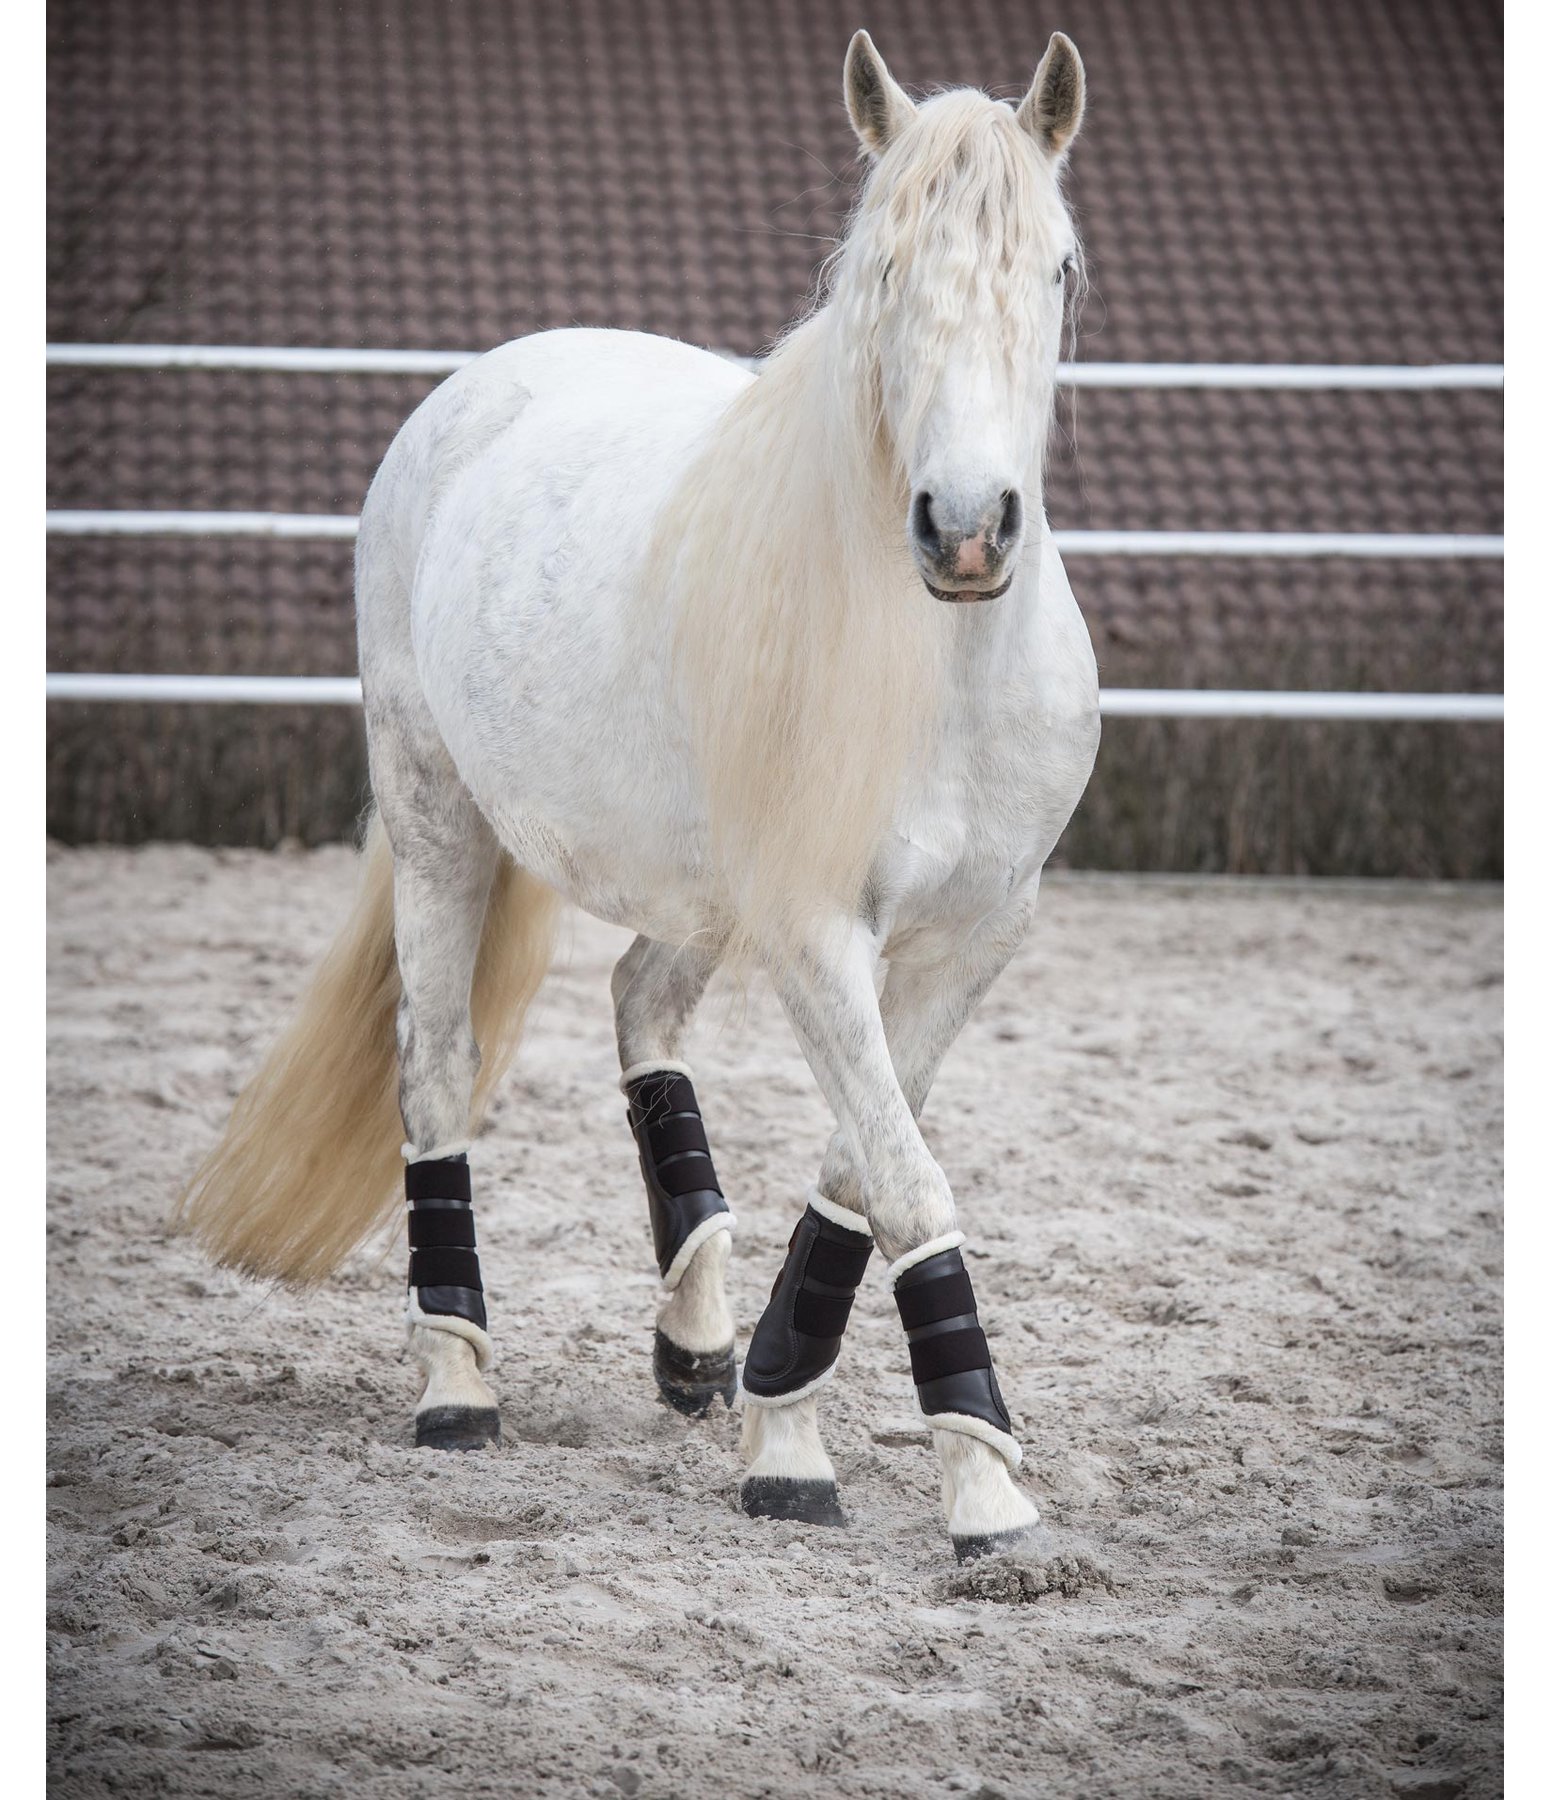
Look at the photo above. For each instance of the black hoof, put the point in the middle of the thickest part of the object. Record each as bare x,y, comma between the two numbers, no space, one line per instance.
456,1428
992,1543
783,1497
689,1382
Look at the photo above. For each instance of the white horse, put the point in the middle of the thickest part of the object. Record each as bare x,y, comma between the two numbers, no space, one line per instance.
783,668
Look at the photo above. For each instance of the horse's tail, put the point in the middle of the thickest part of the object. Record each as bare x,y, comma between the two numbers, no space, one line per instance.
309,1166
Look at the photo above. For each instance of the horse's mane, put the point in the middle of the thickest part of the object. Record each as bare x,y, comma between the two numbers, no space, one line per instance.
807,652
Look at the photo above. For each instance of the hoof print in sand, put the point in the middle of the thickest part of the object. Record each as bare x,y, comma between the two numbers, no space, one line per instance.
1018,1578
457,1428
807,1502
690,1383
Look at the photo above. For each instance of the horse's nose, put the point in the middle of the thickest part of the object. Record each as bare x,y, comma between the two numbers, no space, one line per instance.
965,547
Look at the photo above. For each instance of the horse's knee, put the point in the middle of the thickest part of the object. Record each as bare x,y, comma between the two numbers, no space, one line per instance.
908,1201
842,1178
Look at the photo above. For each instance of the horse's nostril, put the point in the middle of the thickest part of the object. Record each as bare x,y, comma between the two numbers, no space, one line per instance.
1011,516
923,525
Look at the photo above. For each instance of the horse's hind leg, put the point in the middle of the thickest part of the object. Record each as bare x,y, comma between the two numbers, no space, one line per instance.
656,988
445,858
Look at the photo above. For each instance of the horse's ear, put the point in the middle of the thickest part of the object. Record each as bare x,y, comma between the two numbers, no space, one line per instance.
877,105
1052,107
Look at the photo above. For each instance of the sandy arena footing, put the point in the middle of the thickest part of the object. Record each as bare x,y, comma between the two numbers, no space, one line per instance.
1229,1158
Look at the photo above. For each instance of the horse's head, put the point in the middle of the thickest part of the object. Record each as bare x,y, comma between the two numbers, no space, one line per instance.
954,279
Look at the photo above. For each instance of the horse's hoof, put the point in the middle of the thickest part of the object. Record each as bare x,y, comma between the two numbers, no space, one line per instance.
456,1428
992,1543
689,1382
786,1497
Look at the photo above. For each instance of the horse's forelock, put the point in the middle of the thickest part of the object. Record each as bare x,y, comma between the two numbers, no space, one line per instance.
955,228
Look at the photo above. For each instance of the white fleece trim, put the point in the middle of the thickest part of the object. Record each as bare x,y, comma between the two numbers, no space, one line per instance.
706,1228
1008,1446
636,1070
838,1215
484,1347
949,1240
790,1399
460,1148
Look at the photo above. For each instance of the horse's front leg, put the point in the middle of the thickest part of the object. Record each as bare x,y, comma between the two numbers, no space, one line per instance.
656,988
876,1064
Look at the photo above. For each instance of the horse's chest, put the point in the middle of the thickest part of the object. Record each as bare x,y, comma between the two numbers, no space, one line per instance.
977,825
941,877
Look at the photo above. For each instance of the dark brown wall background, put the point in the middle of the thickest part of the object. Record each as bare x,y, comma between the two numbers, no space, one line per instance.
1315,180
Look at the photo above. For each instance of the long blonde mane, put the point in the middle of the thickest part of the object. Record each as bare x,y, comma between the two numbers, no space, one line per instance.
809,655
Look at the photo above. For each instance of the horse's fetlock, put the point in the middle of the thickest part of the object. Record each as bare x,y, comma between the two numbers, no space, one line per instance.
985,1509
450,1366
783,1442
695,1314
446,1287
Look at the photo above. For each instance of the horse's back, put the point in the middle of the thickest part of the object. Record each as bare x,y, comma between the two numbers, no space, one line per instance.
523,494
552,451
570,402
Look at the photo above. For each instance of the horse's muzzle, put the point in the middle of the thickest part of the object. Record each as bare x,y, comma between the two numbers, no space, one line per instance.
966,553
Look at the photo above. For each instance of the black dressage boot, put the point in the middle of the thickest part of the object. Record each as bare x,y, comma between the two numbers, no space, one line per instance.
950,1362
446,1290
687,1207
797,1343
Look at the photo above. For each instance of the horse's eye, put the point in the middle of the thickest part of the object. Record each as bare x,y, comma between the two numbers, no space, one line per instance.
1064,270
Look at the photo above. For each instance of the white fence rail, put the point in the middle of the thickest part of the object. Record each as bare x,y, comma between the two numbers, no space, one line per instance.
303,361
201,524
1115,702
1431,544
1120,703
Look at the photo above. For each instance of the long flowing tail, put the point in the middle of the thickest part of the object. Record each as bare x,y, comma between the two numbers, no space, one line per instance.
309,1166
